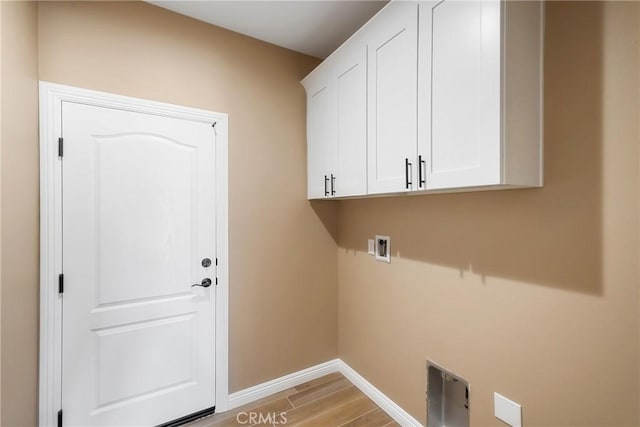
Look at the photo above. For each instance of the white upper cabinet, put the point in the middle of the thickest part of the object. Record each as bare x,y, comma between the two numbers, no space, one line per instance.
430,96
337,124
392,47
476,128
321,129
350,158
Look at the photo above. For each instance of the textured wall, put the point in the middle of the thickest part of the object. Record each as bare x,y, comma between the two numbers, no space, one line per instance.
19,200
529,293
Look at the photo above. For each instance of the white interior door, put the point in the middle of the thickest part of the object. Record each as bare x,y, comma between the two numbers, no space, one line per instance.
138,220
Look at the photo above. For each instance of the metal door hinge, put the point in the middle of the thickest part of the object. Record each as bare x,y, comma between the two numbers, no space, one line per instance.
61,283
60,418
60,147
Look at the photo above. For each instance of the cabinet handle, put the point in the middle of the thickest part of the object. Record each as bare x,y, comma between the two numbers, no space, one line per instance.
406,173
422,181
333,185
326,180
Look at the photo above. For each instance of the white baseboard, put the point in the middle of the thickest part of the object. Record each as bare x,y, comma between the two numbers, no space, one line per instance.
401,416
260,391
277,385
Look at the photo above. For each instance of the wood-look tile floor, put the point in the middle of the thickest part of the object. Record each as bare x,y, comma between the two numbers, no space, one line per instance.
329,401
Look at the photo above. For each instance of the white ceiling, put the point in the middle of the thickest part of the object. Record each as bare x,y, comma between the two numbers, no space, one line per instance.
313,27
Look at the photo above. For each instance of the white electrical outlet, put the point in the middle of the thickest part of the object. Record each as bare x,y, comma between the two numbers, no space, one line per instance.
371,247
383,248
507,410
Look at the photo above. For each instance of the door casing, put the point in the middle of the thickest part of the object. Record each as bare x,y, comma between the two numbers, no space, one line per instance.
50,360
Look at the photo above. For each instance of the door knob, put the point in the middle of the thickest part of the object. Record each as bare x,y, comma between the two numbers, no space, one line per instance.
206,282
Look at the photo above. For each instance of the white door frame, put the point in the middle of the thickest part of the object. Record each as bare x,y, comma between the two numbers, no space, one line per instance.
51,98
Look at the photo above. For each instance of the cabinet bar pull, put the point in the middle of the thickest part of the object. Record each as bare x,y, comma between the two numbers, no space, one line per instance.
333,185
421,180
406,173
326,180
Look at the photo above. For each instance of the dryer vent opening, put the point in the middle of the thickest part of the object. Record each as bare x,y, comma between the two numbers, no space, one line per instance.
447,398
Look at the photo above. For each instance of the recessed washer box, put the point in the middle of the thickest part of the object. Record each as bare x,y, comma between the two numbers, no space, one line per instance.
383,248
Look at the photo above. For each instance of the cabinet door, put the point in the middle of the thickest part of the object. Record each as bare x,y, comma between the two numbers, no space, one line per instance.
463,145
392,98
320,138
350,159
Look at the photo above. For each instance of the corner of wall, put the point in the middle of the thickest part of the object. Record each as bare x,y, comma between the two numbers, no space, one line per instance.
19,253
1,127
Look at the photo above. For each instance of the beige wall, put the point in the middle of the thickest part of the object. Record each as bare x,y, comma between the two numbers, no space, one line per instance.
283,261
529,293
19,200
1,30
